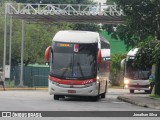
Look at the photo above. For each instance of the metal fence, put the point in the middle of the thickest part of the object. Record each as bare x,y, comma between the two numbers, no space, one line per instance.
33,76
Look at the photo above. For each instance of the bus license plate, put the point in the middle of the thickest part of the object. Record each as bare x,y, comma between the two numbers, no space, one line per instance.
138,86
71,91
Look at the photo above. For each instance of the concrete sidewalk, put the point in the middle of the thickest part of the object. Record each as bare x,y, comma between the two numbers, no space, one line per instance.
143,101
33,88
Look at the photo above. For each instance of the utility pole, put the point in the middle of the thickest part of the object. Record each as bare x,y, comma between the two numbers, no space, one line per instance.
22,51
10,45
5,39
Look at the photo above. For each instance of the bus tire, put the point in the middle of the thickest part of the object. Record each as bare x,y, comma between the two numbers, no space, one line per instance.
103,95
131,91
56,97
148,91
62,96
95,98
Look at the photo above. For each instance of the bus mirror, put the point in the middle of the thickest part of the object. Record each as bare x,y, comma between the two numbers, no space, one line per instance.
99,56
46,55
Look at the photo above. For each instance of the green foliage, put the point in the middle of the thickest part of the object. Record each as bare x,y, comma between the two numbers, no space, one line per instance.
142,20
9,83
156,53
155,96
116,71
86,27
145,56
109,2
148,53
37,36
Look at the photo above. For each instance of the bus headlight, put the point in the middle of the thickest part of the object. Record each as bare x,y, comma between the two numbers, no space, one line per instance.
57,84
89,85
126,81
52,82
126,86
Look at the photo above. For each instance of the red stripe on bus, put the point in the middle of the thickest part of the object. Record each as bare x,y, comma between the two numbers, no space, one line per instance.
71,82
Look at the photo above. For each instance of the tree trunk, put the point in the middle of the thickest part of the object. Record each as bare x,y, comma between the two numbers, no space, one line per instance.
158,36
157,79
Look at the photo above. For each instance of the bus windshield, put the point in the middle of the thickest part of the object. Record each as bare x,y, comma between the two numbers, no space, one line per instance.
138,75
135,73
74,61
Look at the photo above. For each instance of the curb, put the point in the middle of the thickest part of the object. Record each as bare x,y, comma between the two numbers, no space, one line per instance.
125,99
6,89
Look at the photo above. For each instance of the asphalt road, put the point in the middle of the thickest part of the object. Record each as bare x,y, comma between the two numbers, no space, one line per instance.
42,101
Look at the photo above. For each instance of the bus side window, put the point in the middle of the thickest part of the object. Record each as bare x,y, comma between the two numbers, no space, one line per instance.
104,44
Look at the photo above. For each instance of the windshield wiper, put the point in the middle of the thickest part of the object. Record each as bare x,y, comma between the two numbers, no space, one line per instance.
79,66
66,69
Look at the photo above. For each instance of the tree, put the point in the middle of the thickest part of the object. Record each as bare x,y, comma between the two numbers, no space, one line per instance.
37,38
116,73
145,56
86,27
36,42
142,20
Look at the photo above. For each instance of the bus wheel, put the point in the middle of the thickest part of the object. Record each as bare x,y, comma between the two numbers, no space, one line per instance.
148,91
95,98
103,95
131,91
56,97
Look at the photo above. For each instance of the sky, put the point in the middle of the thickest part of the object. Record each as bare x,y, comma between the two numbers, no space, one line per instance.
101,1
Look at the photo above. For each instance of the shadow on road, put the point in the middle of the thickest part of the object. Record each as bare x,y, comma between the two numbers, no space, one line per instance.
79,99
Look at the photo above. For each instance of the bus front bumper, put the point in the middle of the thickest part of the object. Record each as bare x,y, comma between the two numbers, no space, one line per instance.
137,87
73,90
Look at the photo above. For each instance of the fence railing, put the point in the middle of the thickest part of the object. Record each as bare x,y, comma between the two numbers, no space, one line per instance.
40,81
63,9
32,76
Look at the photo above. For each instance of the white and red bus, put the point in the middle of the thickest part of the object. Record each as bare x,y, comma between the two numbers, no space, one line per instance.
79,64
135,78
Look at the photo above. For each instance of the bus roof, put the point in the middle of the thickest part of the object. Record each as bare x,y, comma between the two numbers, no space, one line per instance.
76,36
132,52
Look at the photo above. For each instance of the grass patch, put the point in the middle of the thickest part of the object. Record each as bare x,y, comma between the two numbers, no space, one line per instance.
117,87
155,96
40,86
9,83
